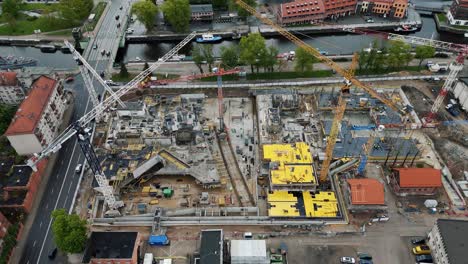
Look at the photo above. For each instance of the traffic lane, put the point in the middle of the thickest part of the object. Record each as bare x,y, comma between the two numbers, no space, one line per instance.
39,227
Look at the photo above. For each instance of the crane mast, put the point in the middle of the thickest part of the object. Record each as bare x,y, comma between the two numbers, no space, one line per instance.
455,68
84,135
349,80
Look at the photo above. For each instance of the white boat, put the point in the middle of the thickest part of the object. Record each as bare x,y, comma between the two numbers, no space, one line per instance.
137,59
207,38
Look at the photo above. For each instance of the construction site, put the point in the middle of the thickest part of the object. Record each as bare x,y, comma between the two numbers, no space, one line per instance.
168,162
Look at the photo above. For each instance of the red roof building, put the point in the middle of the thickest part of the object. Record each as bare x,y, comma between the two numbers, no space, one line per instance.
458,13
366,192
38,117
309,12
416,181
386,8
11,91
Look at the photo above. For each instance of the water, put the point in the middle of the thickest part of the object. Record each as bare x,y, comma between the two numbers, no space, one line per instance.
56,60
331,43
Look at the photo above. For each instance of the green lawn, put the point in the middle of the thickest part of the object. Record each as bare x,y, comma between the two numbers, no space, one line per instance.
442,17
64,32
25,27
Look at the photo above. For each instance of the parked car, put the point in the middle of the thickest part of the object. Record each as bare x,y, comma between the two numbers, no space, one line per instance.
369,20
364,256
121,7
102,74
349,260
421,250
103,52
117,17
424,258
418,241
118,25
78,168
130,31
108,53
95,46
366,261
52,253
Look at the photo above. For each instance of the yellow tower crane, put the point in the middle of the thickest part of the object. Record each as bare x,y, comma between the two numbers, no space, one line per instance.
349,79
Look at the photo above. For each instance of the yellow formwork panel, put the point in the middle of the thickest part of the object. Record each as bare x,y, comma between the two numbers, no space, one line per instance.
281,196
286,174
283,209
322,204
298,153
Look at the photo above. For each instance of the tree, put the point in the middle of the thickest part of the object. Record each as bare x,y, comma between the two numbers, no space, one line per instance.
6,114
230,56
197,56
268,59
12,8
75,11
241,12
145,11
220,4
69,231
145,67
207,52
252,47
304,61
123,71
399,54
424,52
177,12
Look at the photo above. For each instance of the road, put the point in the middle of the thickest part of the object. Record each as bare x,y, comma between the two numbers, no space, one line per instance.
63,182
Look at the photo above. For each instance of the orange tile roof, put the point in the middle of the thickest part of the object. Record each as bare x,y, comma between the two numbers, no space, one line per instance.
367,192
29,112
8,79
419,177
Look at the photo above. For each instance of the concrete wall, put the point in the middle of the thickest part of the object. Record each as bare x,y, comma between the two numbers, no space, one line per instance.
461,93
437,246
25,144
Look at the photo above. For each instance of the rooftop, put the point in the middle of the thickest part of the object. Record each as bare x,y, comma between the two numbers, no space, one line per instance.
367,192
302,204
8,79
201,8
298,153
19,176
211,247
12,199
29,112
249,249
115,245
5,165
419,177
454,234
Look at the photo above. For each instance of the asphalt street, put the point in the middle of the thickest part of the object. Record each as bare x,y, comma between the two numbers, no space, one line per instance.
63,182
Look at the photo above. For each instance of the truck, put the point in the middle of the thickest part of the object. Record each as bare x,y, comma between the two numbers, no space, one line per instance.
159,240
453,109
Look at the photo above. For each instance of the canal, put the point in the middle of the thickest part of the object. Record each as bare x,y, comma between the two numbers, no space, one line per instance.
333,44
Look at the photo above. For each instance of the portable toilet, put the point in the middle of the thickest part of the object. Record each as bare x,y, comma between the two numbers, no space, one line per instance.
168,192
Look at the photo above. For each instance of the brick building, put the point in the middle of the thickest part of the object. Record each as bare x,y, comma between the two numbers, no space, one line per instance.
201,12
447,240
19,190
11,91
385,8
339,8
38,118
458,13
415,181
4,224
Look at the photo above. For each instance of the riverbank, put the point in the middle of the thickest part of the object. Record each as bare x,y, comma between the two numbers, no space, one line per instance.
442,25
237,31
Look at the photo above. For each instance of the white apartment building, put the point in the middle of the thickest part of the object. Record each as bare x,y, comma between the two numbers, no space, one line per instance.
38,117
461,92
11,91
447,241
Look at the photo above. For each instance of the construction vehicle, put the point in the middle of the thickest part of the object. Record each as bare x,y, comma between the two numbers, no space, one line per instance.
83,139
454,68
349,80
